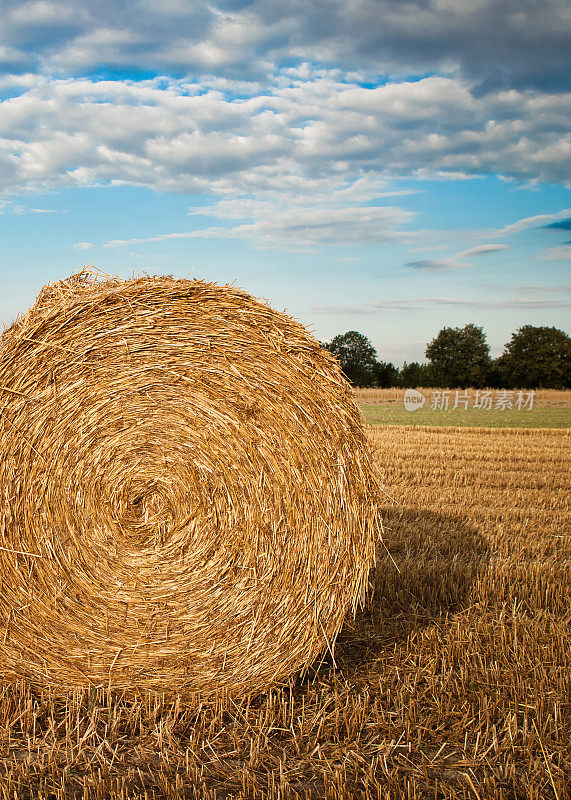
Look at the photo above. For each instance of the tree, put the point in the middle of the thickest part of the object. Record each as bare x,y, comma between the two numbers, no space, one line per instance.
386,375
415,374
357,357
537,357
496,378
460,357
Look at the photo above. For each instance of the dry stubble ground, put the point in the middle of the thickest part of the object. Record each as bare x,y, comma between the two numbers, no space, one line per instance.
454,682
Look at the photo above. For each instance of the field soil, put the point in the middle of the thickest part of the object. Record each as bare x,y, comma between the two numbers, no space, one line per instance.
453,682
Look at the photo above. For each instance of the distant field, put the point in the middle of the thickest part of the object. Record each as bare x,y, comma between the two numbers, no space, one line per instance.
551,409
472,417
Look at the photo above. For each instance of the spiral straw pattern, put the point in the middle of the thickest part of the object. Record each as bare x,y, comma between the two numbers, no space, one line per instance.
187,497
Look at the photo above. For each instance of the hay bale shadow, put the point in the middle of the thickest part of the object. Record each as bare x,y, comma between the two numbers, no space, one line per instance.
425,570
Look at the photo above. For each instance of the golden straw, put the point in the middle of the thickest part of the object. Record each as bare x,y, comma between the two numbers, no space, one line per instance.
191,469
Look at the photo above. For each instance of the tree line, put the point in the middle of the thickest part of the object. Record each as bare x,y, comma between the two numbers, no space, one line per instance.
536,357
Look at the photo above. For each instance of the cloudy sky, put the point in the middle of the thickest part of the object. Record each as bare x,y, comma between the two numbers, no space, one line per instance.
389,166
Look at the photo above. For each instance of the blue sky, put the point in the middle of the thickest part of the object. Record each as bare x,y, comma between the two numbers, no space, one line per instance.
378,165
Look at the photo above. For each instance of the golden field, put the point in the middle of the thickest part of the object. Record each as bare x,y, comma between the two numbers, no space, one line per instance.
453,682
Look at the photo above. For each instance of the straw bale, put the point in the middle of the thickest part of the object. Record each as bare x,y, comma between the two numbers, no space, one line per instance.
187,500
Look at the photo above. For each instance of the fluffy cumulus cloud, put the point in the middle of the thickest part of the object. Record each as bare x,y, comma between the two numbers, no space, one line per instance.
293,117
307,136
490,42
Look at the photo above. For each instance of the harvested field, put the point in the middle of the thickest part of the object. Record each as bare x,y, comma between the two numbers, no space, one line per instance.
454,682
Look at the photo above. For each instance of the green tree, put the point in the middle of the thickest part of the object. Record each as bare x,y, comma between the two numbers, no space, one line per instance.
386,375
496,378
460,357
415,374
357,357
537,357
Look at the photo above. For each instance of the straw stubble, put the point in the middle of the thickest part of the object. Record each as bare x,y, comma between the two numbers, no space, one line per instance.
187,497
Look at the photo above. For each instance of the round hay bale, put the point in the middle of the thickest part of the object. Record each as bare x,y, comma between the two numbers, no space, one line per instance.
187,497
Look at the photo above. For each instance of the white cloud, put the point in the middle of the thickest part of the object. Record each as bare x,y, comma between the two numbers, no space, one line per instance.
25,210
10,55
418,303
307,161
104,44
530,222
307,136
481,249
42,12
230,37
542,288
162,237
440,175
84,245
310,227
561,253
456,261
299,227
483,41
